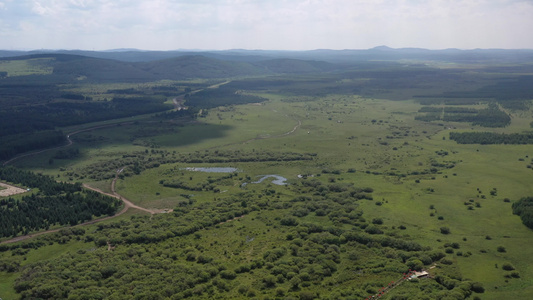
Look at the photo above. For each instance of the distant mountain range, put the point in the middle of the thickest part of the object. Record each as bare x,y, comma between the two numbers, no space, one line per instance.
332,56
138,65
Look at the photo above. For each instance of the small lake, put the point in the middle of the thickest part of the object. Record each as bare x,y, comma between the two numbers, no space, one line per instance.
278,180
213,170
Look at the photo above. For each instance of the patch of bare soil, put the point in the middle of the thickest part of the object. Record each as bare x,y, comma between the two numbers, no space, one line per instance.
10,190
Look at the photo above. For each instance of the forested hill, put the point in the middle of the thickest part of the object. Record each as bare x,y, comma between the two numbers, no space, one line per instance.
65,67
198,66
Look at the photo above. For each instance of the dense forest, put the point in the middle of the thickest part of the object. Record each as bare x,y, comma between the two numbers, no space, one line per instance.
32,127
489,117
51,203
224,95
511,92
487,138
24,142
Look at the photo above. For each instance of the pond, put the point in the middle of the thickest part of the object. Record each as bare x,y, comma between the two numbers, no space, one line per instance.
213,170
279,180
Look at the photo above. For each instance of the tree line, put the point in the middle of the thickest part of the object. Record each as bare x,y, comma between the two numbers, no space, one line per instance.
224,95
51,203
524,209
486,138
24,142
33,127
489,117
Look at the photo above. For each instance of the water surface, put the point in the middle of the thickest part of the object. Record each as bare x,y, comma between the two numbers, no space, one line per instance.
213,170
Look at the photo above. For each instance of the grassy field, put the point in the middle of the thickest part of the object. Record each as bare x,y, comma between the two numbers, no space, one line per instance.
422,180
36,66
349,134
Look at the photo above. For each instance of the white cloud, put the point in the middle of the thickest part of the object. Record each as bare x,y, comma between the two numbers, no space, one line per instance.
274,24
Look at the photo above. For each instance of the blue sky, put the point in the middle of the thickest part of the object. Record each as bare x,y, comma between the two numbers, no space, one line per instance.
265,24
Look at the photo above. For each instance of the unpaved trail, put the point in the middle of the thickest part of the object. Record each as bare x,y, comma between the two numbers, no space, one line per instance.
178,104
127,204
180,100
69,141
277,136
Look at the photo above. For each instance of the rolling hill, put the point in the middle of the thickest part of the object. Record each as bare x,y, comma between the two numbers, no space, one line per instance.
175,68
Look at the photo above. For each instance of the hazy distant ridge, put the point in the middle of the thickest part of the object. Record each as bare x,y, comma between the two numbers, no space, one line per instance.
377,53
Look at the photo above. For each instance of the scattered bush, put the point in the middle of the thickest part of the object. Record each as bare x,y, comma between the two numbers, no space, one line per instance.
477,287
377,221
445,230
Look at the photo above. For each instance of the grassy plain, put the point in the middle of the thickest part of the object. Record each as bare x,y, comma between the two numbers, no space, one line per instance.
370,142
351,132
36,66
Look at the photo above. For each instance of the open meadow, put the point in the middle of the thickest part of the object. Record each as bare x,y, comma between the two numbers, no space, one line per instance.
374,188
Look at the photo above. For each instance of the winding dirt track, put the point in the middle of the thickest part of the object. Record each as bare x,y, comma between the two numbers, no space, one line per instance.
277,136
127,204
69,141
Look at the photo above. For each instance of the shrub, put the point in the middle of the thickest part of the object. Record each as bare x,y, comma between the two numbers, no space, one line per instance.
280,292
270,281
373,230
415,264
377,221
507,267
307,295
230,275
290,221
477,287
445,230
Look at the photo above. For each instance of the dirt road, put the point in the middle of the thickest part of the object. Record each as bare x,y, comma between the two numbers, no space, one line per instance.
127,204
69,142
180,100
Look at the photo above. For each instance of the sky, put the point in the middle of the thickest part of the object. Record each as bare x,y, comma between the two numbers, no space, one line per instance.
265,24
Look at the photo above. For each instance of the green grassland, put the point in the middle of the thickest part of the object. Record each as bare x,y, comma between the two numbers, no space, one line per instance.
36,66
421,181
